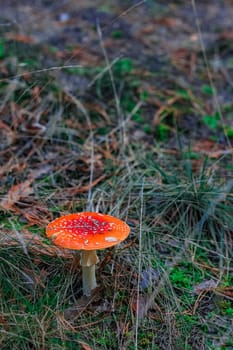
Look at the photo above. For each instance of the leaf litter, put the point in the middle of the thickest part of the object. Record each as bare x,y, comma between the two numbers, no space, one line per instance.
15,194
43,168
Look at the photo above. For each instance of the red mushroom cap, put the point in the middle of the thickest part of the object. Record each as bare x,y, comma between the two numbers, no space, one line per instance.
87,231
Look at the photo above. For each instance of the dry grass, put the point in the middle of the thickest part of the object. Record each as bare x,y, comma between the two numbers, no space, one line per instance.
169,286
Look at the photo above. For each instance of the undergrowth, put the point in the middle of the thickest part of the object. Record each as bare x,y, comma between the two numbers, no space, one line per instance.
169,285
185,242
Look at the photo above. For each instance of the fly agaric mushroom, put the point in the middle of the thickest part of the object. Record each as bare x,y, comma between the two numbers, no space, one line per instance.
88,232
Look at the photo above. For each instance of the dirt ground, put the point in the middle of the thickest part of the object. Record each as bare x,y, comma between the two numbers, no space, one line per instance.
161,37
153,28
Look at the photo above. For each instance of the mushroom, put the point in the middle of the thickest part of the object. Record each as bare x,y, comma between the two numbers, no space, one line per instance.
88,232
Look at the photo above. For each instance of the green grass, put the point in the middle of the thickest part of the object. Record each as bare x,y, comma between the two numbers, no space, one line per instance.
37,291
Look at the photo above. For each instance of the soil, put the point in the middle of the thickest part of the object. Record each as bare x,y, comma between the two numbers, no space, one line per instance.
162,38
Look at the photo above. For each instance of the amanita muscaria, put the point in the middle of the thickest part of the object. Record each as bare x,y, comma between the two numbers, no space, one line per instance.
88,232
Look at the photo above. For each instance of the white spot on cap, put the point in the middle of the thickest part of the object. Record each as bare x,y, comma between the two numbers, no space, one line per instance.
111,239
86,242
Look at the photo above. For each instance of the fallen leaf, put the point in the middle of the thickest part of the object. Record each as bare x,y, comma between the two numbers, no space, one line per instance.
85,57
6,134
97,160
35,214
33,243
168,22
16,192
148,29
26,39
36,93
158,115
225,35
210,148
184,59
84,345
97,108
4,323
34,128
204,145
227,291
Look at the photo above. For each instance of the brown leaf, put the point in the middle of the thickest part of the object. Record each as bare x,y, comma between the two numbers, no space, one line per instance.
148,29
84,345
33,243
168,22
20,38
227,291
16,192
226,35
84,56
36,93
158,115
4,323
210,148
184,59
97,108
35,214
7,136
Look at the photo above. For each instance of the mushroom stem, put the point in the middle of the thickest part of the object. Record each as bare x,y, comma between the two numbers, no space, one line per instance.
88,261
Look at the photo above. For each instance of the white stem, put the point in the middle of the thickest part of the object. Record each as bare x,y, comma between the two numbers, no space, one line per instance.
89,280
88,261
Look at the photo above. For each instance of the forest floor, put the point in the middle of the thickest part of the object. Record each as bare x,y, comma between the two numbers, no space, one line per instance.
123,108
